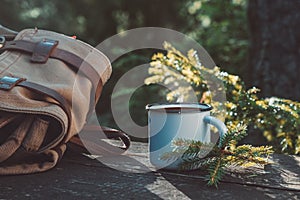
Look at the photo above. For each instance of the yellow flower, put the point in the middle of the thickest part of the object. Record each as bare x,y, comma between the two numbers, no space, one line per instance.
260,115
153,79
238,86
262,104
230,105
187,72
233,79
235,93
155,63
268,135
196,80
157,56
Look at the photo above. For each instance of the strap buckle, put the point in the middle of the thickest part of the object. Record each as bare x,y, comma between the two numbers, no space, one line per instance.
2,41
8,82
43,50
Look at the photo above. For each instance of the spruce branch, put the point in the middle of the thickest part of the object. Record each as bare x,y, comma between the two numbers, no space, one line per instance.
216,171
233,135
197,163
215,159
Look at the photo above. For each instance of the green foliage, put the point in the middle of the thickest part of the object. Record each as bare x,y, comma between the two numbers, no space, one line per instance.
277,118
211,23
223,32
216,158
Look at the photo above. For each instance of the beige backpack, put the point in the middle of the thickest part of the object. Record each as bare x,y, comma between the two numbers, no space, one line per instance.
48,84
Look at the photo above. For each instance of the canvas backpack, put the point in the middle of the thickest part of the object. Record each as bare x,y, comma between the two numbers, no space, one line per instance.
49,83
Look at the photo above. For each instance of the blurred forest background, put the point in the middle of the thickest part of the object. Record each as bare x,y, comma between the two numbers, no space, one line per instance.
256,39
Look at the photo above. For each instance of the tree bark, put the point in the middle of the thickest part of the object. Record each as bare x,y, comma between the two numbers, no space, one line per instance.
274,62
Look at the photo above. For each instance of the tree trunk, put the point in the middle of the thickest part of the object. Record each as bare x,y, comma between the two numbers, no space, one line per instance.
274,62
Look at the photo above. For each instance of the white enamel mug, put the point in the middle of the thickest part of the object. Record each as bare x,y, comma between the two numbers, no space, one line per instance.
169,122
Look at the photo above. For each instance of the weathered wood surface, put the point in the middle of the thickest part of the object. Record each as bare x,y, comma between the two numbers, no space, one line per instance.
80,177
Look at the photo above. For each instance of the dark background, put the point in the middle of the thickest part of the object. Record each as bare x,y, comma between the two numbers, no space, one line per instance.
256,39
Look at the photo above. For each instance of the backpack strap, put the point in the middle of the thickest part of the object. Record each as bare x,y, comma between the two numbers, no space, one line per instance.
93,140
50,50
7,83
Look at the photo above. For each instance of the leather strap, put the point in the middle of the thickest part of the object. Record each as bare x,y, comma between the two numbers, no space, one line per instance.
65,56
50,93
43,50
83,66
110,134
8,82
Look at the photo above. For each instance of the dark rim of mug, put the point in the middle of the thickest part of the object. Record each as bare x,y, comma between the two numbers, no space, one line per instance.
179,107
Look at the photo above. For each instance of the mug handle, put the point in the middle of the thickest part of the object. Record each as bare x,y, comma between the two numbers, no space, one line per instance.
217,123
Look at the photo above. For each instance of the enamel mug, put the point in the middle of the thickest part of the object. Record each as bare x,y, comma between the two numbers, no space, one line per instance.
172,121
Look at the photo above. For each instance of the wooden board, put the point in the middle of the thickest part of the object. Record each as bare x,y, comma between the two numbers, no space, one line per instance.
80,177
